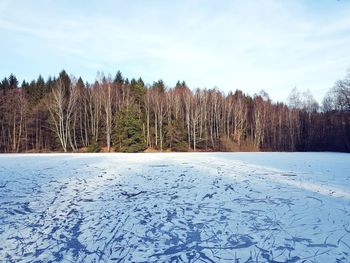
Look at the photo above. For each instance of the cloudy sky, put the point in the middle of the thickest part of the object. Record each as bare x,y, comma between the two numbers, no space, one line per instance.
247,45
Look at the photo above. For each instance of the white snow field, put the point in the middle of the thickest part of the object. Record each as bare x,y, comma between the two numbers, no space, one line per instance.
175,207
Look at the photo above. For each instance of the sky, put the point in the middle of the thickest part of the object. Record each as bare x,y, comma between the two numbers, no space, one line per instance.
248,45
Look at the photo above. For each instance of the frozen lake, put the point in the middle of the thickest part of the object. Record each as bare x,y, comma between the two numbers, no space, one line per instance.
175,207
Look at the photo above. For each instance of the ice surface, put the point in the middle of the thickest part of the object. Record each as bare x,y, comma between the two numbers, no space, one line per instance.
175,207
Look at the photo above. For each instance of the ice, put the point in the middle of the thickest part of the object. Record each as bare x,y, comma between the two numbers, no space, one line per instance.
175,207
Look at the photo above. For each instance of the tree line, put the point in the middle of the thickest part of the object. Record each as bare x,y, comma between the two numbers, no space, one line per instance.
118,114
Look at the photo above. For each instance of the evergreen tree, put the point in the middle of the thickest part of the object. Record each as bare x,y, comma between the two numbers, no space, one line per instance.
30,90
138,90
36,90
119,78
4,85
64,78
40,86
140,82
93,147
176,136
24,85
49,84
128,135
133,82
159,85
80,83
13,82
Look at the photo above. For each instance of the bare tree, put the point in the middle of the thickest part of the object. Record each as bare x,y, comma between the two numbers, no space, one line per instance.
61,107
107,105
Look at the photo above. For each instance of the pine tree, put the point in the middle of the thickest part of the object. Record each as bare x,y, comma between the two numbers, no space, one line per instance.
4,85
176,136
24,85
119,78
40,85
159,85
66,82
13,82
36,90
138,90
93,147
80,84
128,135
49,84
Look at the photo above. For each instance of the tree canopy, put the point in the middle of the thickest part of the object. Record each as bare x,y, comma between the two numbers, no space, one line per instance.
67,114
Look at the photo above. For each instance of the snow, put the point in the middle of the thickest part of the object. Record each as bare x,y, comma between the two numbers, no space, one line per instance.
175,207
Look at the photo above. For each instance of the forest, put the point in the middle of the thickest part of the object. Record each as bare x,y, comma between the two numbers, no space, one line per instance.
66,114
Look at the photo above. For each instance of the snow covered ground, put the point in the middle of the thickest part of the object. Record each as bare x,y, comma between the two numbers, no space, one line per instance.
175,207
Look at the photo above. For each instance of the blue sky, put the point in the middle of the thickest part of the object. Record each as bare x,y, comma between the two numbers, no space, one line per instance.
247,45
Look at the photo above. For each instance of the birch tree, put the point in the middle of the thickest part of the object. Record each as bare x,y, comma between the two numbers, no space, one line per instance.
61,107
